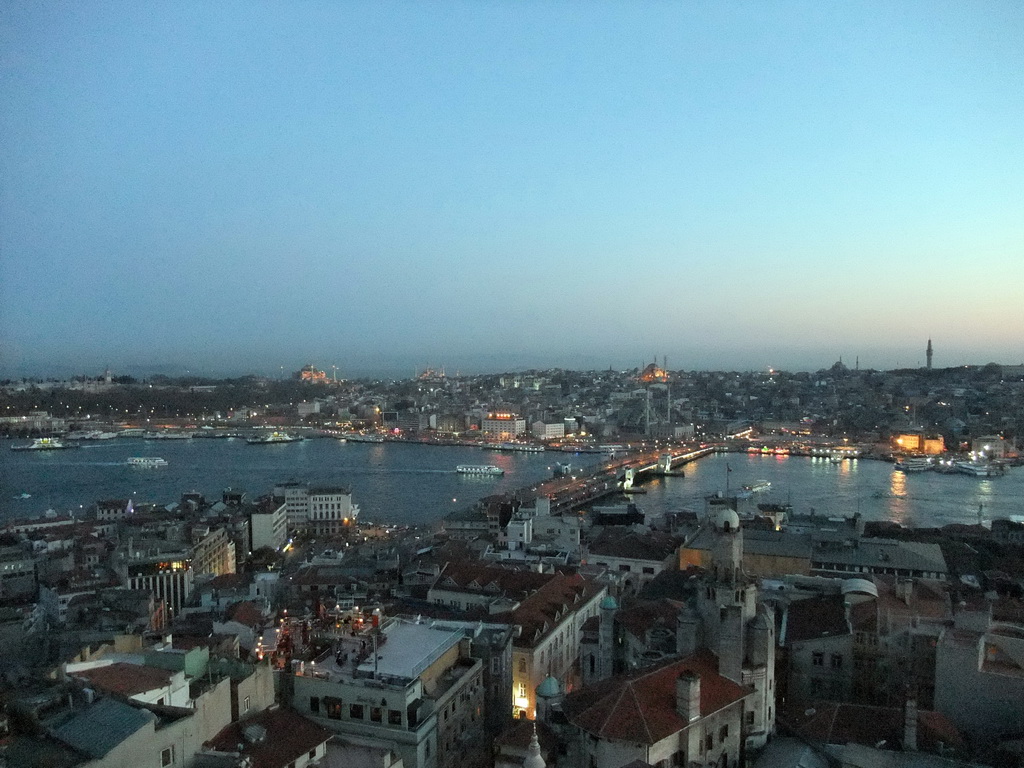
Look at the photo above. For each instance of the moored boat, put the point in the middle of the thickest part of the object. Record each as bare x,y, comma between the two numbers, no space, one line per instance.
979,468
272,438
43,444
912,465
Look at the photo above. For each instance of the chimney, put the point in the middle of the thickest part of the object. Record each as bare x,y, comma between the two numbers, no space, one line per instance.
905,590
910,723
688,696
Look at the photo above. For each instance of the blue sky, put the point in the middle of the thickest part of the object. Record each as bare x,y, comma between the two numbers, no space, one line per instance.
229,187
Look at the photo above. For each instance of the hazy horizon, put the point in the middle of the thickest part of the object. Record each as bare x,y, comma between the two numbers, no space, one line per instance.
465,365
382,186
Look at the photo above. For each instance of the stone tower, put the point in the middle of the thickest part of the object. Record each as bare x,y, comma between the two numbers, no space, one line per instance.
733,625
928,355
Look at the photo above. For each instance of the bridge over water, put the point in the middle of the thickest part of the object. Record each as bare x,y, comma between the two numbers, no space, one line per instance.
618,475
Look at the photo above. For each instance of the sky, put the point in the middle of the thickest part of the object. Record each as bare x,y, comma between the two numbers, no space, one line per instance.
238,187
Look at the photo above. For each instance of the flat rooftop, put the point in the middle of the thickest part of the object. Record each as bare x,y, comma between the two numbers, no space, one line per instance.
409,650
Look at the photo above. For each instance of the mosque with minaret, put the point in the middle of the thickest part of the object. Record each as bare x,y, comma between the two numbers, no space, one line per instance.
710,703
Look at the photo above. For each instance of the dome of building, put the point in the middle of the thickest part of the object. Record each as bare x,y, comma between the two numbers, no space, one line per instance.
549,688
609,604
859,586
727,520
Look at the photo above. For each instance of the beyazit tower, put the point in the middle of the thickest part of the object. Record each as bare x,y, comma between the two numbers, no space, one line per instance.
928,355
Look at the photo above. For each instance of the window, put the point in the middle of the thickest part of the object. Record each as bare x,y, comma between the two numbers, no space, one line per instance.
314,705
312,754
245,704
355,711
624,567
723,733
522,665
818,659
837,661
376,715
167,757
648,569
709,741
394,717
750,717
334,707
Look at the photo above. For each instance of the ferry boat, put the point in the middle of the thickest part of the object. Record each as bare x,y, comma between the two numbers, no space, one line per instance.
979,468
94,434
43,444
479,469
912,465
273,437
355,437
746,491
146,461
524,447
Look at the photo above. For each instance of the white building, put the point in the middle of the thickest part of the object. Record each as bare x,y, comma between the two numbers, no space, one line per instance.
413,690
268,525
680,713
979,675
502,425
320,510
550,609
548,430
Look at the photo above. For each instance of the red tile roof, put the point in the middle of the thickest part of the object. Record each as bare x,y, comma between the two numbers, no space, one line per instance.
545,599
832,723
246,613
288,736
641,707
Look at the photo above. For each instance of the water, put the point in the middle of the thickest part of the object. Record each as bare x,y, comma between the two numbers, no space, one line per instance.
417,484
391,482
872,488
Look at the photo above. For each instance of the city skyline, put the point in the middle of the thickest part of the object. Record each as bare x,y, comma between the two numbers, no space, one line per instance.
235,188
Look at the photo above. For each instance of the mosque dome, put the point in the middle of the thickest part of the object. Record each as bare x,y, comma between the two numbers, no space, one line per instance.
549,688
608,603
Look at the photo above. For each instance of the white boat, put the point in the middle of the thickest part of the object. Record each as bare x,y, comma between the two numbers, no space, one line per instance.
524,447
978,468
758,486
913,465
168,435
355,437
479,469
43,444
273,437
146,461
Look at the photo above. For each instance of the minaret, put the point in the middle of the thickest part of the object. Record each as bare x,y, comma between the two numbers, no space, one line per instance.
533,757
928,354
